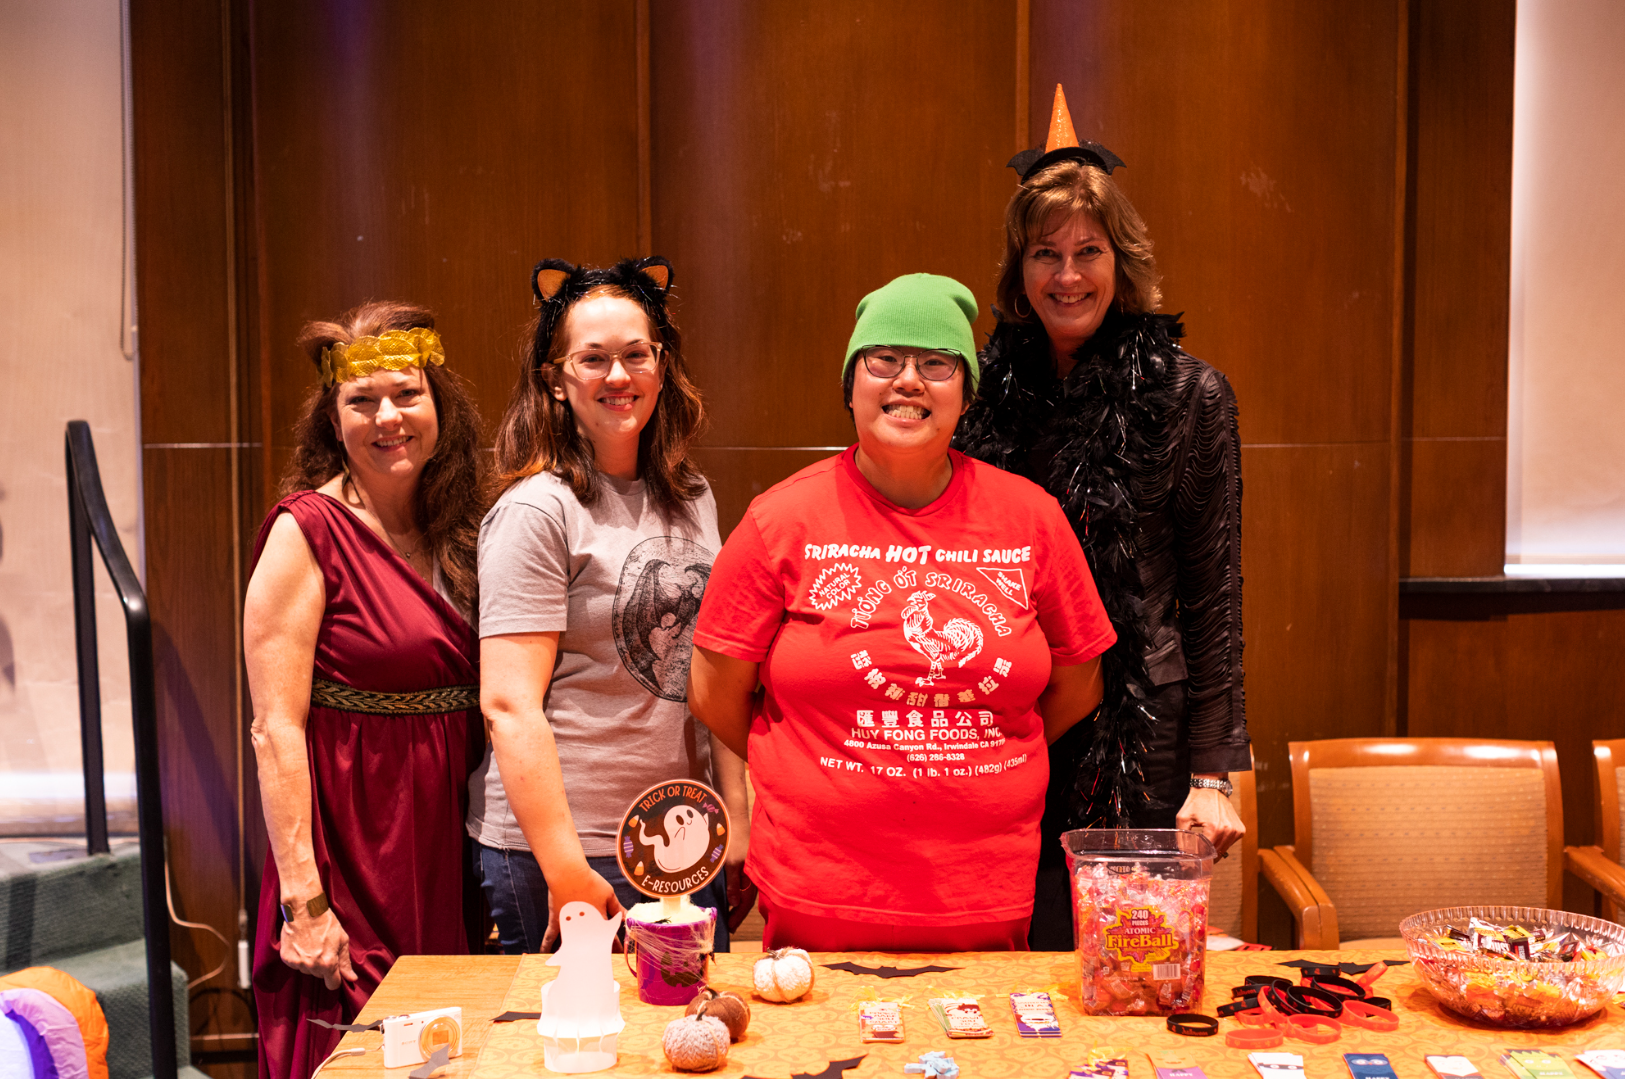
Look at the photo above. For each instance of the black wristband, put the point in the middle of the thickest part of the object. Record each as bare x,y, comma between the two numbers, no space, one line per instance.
1312,1001
1245,1004
1193,1025
1380,1002
1337,987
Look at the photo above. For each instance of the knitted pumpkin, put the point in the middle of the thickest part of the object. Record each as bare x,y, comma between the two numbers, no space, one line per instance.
696,1043
783,975
728,1007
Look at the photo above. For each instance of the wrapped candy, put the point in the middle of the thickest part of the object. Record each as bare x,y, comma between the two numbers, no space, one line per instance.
1141,922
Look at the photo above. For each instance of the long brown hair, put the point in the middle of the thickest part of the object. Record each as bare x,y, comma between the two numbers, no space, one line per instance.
446,506
538,431
1064,190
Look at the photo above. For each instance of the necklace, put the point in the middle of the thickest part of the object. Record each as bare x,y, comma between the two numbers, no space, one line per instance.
389,537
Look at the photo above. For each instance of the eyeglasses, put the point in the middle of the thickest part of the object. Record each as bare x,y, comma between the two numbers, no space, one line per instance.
937,365
638,358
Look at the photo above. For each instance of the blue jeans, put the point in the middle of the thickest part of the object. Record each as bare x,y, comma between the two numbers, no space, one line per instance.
516,892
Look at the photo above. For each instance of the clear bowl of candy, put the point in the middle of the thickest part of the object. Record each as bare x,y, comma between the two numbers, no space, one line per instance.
1139,899
1517,966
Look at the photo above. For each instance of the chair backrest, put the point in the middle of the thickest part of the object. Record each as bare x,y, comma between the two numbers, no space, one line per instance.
1610,756
1233,903
1392,826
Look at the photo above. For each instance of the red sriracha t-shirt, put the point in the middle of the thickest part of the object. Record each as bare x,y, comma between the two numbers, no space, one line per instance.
898,762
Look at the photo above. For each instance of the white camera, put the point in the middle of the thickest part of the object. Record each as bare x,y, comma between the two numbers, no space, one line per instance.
411,1039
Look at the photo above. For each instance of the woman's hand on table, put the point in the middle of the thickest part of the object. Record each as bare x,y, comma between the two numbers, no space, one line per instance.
317,946
584,885
1208,811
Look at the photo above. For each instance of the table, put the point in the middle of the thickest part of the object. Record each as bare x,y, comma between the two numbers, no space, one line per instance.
805,1036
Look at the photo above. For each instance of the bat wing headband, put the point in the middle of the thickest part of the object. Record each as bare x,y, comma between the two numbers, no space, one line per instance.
1063,145
558,284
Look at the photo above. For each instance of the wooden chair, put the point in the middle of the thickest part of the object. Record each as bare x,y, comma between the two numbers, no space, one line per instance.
1599,865
1386,827
1233,902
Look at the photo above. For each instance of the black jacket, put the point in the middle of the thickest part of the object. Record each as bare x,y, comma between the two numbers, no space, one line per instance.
1139,444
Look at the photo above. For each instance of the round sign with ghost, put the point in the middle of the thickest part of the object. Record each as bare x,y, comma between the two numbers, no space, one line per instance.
673,837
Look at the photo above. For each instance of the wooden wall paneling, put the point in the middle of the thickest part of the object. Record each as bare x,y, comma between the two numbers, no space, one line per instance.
1500,667
188,187
805,154
1454,491
1265,150
435,153
1316,601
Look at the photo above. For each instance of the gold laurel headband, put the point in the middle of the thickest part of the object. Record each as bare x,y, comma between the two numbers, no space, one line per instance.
392,350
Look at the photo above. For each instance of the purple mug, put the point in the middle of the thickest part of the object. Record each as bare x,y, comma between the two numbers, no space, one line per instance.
670,960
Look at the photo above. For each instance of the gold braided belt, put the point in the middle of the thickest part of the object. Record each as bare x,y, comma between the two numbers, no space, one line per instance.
428,702
392,350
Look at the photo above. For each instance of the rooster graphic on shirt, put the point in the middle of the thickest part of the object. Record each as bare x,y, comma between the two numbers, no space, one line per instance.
959,639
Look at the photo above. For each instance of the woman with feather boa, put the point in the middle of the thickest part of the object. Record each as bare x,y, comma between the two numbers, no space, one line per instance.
1086,391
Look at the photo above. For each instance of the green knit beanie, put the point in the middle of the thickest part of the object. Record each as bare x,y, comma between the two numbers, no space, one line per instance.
918,310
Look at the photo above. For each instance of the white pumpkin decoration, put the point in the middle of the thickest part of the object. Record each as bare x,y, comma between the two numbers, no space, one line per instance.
783,975
696,1043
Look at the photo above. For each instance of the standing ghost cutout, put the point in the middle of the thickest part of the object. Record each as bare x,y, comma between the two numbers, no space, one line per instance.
583,1002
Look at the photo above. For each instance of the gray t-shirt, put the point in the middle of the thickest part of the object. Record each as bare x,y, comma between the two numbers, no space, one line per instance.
622,588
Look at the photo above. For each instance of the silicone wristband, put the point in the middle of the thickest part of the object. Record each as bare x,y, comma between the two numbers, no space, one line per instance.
1238,1007
1266,979
1380,1002
1362,1013
1314,1028
1312,1001
1337,987
1320,970
1193,1025
1254,1038
1257,1017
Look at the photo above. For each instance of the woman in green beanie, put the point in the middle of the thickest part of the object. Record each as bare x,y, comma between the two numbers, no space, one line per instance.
922,626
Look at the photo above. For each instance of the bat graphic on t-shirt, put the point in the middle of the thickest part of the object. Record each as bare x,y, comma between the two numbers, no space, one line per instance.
662,583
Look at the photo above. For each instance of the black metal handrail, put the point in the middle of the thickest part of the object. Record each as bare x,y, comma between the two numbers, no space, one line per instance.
87,518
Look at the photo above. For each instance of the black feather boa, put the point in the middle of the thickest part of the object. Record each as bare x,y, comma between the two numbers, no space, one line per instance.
1090,440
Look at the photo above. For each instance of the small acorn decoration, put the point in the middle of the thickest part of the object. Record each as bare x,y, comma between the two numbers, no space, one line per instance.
783,975
731,1008
697,1042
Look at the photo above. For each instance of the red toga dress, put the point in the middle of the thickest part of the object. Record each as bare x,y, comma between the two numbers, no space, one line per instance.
389,784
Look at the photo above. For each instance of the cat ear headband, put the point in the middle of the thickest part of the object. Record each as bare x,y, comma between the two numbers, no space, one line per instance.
557,284
1063,145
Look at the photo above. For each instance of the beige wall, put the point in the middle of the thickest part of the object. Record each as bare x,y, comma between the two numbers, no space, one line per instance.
1566,432
61,358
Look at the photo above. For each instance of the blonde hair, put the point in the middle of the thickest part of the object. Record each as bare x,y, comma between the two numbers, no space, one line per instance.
1063,191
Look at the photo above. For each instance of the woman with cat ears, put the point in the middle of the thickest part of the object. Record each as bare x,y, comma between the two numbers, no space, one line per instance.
592,564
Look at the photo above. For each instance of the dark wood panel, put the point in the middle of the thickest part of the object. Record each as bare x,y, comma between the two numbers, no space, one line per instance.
184,196
433,153
1262,145
1318,587
804,154
1453,518
739,474
1550,674
1461,167
189,575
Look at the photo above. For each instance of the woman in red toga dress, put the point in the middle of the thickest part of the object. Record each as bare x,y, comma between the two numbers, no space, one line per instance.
361,664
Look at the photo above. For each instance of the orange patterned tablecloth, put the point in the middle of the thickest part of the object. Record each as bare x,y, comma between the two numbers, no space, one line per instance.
804,1036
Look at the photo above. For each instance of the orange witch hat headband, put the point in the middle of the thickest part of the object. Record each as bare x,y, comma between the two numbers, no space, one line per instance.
1063,145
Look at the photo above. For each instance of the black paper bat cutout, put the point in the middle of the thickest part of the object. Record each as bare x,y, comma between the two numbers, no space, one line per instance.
884,972
1346,968
511,1017
437,1060
835,1070
347,1027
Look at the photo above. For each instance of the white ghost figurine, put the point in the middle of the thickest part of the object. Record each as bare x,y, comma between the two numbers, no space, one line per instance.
581,1008
688,834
